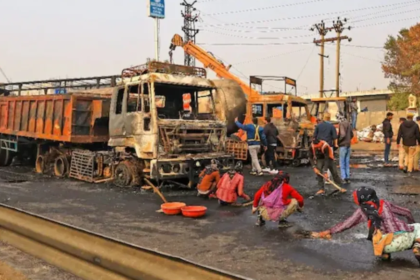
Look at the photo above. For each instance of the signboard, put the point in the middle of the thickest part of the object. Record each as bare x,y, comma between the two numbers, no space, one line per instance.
60,91
156,8
290,82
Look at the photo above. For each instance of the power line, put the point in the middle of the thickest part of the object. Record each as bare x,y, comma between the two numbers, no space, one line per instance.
316,15
257,38
355,55
258,29
385,22
306,63
4,75
271,56
255,44
265,8
388,15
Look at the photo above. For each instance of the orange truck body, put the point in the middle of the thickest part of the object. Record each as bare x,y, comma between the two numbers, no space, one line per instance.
65,118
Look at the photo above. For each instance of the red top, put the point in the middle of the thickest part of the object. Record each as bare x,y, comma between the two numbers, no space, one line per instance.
390,221
228,189
288,191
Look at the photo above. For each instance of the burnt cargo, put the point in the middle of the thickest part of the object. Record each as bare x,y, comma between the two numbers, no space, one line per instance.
74,118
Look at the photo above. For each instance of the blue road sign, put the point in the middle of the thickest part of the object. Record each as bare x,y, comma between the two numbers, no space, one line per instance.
156,8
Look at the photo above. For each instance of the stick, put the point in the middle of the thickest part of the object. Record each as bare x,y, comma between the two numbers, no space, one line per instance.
156,190
332,183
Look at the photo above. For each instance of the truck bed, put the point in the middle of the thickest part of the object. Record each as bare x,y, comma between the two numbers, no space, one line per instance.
77,118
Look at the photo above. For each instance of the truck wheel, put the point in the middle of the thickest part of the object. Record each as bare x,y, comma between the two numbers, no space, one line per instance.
122,174
40,164
61,166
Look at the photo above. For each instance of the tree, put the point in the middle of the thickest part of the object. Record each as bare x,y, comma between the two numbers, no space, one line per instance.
402,60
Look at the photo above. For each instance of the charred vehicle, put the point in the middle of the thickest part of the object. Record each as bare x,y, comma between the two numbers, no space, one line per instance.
150,125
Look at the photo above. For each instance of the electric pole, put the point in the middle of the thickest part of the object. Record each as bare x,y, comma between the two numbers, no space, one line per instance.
322,31
189,28
339,28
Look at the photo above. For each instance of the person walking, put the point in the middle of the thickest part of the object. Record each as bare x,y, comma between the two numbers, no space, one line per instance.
401,152
388,134
271,133
255,137
353,110
410,134
345,134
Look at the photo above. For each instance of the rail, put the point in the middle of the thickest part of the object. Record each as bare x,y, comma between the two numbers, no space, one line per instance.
92,256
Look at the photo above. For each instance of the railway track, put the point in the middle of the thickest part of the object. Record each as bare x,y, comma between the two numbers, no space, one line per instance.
92,256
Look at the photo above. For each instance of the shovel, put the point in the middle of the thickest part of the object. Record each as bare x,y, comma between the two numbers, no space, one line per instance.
338,188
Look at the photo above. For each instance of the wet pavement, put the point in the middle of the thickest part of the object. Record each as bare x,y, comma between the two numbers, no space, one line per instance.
226,237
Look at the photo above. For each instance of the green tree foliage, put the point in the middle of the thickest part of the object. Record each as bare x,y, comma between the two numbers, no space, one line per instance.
402,63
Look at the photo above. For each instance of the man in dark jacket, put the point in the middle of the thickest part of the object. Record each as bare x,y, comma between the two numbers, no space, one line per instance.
388,134
345,134
410,134
271,133
326,131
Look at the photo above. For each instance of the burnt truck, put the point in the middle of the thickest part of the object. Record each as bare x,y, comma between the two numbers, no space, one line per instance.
149,125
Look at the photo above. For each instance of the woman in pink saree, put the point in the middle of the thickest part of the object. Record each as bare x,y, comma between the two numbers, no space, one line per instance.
276,200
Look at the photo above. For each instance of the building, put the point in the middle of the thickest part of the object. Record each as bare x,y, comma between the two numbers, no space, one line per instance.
374,100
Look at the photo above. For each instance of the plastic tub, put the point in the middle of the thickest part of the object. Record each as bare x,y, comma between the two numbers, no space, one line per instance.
194,211
172,208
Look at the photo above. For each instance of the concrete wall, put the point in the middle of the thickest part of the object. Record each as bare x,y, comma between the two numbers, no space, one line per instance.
374,118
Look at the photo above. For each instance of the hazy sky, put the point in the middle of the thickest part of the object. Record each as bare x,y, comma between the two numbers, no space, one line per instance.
45,39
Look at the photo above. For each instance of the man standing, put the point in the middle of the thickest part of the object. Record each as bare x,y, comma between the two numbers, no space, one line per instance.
345,134
417,155
388,134
353,110
321,156
271,133
255,135
401,153
326,131
410,134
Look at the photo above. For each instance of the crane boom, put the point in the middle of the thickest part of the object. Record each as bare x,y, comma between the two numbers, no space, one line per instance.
209,61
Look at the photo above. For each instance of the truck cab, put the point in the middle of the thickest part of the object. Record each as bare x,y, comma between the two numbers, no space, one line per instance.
157,124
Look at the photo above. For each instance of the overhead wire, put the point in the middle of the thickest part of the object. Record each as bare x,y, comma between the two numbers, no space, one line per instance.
271,56
257,38
265,8
313,15
306,63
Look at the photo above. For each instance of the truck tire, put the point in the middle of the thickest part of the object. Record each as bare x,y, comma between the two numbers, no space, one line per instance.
40,164
127,174
122,175
61,166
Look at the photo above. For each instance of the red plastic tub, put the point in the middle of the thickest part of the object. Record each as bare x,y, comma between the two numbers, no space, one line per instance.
172,208
194,211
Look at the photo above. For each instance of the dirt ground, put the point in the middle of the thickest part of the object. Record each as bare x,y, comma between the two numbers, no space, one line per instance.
17,265
226,238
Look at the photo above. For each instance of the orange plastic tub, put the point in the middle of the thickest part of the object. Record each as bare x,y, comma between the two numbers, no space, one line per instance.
172,208
194,211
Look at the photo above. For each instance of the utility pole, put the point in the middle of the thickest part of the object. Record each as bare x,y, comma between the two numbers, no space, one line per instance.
189,28
339,28
322,31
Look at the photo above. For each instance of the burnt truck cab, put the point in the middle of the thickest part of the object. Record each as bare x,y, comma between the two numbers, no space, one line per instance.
290,114
156,120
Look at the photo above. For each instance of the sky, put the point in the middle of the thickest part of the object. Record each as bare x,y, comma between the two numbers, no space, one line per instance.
47,39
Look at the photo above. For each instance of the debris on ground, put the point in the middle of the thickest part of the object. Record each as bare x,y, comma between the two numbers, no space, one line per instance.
408,190
371,133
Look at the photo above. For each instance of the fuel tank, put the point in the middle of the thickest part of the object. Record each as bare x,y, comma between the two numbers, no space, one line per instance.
230,102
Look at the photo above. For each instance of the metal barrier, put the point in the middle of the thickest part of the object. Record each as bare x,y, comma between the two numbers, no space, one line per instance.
92,256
